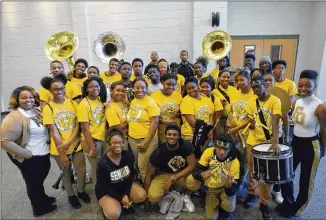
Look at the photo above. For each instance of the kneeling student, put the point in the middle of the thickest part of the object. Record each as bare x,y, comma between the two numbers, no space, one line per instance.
219,169
114,187
172,163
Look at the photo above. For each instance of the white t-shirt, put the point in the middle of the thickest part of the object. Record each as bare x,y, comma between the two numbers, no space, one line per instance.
38,138
153,88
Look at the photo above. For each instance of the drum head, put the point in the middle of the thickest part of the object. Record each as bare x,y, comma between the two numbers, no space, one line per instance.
263,149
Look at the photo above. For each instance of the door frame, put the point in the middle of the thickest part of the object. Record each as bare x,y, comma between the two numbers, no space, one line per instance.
261,37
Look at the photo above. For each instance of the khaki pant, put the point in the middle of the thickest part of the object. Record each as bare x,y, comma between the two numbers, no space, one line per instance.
187,138
99,148
142,159
78,160
156,190
216,197
255,188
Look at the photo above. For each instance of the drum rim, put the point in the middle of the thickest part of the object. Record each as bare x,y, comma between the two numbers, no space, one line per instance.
270,152
272,157
276,182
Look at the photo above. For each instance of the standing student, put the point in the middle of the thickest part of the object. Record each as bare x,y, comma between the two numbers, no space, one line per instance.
60,116
125,79
266,64
78,74
168,100
268,107
308,143
204,61
221,65
93,71
194,106
163,67
179,87
73,91
114,188
185,68
199,71
112,74
225,92
143,121
137,67
155,83
25,140
258,72
249,61
154,60
90,114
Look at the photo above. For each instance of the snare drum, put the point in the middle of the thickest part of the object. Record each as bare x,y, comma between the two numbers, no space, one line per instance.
272,169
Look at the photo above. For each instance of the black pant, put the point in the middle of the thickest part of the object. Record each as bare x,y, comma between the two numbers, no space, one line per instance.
306,151
34,171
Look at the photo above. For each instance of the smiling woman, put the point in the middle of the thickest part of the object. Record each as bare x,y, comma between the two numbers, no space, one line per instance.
25,140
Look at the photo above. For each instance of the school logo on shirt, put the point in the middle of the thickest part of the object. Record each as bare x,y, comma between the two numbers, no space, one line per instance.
239,109
176,163
98,114
108,84
124,112
169,110
134,112
203,113
120,174
64,120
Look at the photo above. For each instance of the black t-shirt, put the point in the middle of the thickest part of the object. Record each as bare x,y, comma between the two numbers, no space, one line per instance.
171,161
114,180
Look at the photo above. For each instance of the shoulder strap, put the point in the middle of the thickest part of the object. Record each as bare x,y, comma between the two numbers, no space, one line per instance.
262,120
213,98
223,93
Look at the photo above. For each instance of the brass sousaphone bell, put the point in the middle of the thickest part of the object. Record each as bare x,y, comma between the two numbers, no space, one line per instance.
216,45
62,46
109,45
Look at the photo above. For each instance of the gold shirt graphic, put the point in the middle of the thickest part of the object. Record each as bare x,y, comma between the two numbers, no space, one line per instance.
98,114
169,110
203,113
108,84
176,163
64,120
134,112
238,108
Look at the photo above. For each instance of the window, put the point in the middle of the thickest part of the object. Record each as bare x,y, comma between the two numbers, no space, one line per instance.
276,52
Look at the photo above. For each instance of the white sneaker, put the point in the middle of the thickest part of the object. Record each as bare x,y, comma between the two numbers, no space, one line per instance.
188,203
277,197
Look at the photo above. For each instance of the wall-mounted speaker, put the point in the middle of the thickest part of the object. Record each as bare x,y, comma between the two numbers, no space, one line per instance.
215,19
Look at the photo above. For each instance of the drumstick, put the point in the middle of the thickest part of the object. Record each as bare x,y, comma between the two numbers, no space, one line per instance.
216,123
227,173
259,123
244,131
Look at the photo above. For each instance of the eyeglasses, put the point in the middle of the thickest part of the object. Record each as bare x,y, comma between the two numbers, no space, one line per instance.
59,89
93,87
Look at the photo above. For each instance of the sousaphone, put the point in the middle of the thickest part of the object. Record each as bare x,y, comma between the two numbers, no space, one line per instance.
62,46
216,45
109,45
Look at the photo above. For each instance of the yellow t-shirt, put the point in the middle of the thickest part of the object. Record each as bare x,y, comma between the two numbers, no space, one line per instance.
231,91
116,113
217,179
133,77
218,106
271,107
203,76
169,107
202,109
238,103
108,80
92,111
139,114
64,117
214,73
45,95
288,85
180,82
78,81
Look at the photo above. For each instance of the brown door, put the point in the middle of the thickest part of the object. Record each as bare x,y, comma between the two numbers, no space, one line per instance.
284,49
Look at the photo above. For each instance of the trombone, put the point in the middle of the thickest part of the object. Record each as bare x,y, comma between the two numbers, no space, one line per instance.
238,136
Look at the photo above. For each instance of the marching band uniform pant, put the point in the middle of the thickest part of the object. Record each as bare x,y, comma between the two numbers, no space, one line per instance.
142,159
78,161
306,151
157,188
34,172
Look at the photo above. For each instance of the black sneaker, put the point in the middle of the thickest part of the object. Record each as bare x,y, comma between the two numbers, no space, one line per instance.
83,196
44,210
50,199
128,211
74,202
250,201
265,211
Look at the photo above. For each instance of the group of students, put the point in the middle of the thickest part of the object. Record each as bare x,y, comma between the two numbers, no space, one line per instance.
141,126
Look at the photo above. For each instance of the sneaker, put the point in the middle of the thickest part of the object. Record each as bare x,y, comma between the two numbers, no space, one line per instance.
265,211
129,211
44,210
188,203
50,199
74,202
277,197
250,201
84,197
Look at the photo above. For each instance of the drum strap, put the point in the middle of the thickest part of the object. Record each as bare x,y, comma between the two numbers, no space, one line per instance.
262,120
224,94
